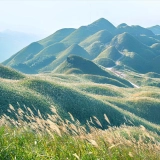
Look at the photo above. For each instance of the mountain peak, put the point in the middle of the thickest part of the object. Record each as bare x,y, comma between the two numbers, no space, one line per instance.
122,25
103,24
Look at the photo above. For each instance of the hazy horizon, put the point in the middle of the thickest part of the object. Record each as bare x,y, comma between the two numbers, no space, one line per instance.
45,16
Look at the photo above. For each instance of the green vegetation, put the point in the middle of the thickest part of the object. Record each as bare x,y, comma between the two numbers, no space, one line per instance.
9,73
77,107
74,49
56,37
132,47
116,143
24,55
134,30
84,97
102,36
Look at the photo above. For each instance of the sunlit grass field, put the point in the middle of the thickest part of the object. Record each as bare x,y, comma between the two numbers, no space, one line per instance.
60,116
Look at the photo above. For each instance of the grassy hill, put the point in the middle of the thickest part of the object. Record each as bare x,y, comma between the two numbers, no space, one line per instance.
73,103
46,56
135,44
149,41
85,31
134,30
108,57
9,73
102,36
24,55
39,96
95,49
111,52
74,49
56,37
127,42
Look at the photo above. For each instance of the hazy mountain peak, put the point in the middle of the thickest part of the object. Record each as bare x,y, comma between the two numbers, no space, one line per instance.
122,25
155,29
103,24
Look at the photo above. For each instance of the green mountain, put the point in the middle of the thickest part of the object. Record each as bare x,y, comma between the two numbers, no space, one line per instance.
74,49
103,24
46,56
56,37
83,65
127,42
131,45
95,49
111,52
96,76
108,57
78,65
134,30
25,54
85,31
102,36
147,40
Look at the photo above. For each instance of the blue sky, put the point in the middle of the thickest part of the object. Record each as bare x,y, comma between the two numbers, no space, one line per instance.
47,16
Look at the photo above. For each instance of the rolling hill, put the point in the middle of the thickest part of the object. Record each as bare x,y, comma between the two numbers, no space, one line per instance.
56,37
9,73
102,36
133,45
37,98
134,30
108,57
73,49
91,87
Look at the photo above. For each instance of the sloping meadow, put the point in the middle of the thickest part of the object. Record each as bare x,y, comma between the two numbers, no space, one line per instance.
46,96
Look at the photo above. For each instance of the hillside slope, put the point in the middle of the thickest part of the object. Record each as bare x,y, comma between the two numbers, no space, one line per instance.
40,96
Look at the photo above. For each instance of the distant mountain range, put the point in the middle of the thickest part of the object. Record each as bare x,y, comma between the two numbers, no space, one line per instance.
12,41
132,47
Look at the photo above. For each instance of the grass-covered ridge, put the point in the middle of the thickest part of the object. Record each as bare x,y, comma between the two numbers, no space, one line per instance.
41,115
83,96
9,73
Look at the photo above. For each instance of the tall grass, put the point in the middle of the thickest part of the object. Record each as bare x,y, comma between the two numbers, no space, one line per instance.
115,143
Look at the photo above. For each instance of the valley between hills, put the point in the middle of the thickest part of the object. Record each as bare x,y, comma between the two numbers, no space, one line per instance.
95,81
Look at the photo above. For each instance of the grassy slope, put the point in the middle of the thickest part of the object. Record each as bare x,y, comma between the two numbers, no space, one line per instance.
85,31
46,56
9,73
95,49
129,43
108,57
134,30
75,64
73,49
25,54
82,98
56,37
102,36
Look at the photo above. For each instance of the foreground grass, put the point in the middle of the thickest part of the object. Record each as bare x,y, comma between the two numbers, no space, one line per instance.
115,143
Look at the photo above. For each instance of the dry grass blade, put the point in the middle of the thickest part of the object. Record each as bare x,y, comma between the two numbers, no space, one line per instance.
107,119
97,121
93,142
75,155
